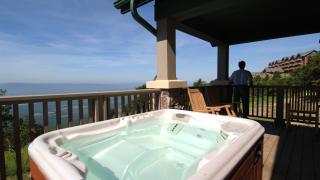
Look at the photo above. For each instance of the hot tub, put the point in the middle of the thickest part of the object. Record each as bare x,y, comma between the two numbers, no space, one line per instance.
164,144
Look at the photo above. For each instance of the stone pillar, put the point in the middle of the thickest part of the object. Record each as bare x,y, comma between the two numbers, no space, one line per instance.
176,98
223,66
166,57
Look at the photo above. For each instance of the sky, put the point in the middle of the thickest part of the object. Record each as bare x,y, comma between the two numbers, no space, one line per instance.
89,41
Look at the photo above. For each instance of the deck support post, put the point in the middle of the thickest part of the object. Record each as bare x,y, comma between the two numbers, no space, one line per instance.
223,65
166,57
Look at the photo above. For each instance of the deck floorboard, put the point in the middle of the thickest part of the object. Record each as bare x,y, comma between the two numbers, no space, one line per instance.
291,155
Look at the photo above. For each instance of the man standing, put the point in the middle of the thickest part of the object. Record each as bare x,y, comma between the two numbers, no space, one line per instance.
241,80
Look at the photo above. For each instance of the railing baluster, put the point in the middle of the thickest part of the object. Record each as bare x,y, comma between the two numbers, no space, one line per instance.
80,103
262,101
45,116
152,101
272,107
146,104
295,98
304,102
313,105
299,101
116,106
91,110
279,113
149,102
70,113
123,106
2,157
267,102
105,108
58,114
141,103
31,121
135,102
17,144
99,107
129,105
252,101
109,115
157,99
258,96
310,104
307,101
145,109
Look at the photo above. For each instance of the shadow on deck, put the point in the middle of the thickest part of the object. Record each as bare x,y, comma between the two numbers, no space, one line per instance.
293,154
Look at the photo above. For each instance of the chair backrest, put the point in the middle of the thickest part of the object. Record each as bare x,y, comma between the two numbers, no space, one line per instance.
196,99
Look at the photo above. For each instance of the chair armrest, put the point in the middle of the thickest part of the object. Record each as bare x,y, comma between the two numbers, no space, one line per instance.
221,106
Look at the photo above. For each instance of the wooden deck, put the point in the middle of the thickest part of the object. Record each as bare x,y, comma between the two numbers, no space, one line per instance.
291,155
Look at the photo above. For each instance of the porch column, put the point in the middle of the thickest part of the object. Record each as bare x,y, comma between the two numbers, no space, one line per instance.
223,66
166,57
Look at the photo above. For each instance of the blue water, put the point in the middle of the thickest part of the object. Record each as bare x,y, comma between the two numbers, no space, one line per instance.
14,89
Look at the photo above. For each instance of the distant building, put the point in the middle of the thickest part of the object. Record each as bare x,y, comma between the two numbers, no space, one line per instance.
286,64
290,63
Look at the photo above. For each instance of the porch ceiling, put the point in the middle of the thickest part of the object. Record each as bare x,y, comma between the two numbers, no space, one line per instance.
239,21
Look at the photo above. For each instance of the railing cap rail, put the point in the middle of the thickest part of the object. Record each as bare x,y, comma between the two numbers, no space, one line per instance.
48,97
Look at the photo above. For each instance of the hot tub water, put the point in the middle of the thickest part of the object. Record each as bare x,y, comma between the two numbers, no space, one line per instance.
152,149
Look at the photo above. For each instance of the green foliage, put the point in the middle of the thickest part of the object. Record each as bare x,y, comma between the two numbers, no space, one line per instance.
10,159
308,75
25,136
276,76
200,83
315,57
25,139
2,92
143,86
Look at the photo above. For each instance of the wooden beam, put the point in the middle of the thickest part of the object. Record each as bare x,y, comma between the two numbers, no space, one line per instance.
182,10
194,32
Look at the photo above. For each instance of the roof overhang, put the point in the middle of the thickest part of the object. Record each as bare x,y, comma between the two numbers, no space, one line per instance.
124,5
238,21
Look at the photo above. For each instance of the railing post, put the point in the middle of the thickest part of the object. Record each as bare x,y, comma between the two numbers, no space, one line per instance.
279,121
98,109
91,110
2,157
17,143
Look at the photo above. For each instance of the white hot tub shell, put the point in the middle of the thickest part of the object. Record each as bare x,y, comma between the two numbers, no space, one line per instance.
51,161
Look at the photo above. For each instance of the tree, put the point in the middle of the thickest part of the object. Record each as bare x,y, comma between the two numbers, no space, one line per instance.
256,80
25,136
200,83
143,86
308,75
276,76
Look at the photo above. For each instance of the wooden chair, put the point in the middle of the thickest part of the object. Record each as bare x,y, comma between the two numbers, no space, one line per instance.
303,106
198,104
214,97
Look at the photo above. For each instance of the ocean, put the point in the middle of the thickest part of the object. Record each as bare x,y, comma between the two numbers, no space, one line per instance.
16,89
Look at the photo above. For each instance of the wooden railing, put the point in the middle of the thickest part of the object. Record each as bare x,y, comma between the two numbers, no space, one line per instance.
263,101
269,102
266,102
66,110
